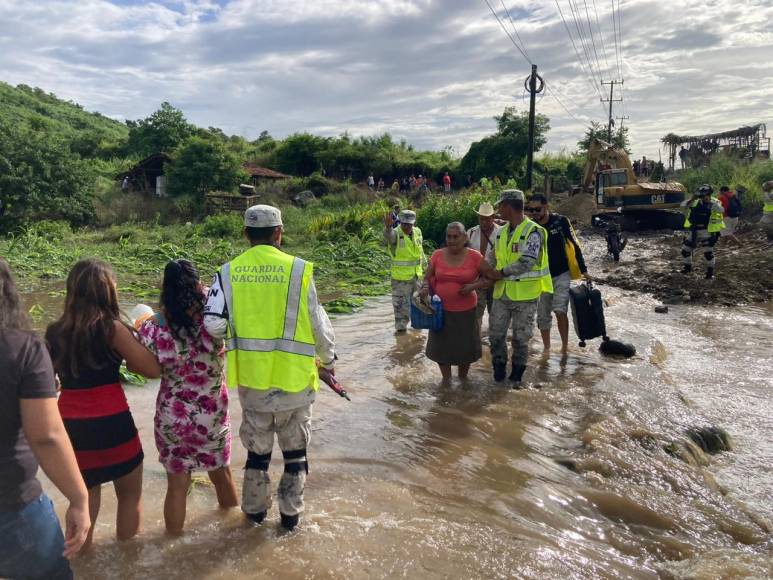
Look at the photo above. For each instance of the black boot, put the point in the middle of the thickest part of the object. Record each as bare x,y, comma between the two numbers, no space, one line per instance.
500,371
257,518
709,273
686,269
289,522
516,375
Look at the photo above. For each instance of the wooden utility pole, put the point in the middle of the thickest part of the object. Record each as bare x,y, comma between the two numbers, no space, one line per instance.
531,85
610,101
622,119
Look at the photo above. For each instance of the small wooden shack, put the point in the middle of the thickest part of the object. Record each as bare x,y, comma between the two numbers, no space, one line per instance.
147,175
262,174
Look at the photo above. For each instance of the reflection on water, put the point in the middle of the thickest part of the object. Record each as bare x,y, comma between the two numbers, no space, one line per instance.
571,478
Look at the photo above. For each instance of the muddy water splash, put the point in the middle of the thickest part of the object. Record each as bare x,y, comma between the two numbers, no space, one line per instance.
582,476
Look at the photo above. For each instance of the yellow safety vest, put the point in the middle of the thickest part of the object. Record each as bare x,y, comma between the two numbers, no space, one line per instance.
408,255
270,341
768,206
716,219
529,285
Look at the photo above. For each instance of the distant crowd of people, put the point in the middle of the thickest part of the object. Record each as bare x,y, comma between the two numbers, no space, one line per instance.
410,184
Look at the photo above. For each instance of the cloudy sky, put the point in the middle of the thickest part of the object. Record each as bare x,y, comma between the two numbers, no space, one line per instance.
431,71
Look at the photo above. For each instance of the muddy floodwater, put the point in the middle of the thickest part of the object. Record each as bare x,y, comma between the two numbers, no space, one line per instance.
587,474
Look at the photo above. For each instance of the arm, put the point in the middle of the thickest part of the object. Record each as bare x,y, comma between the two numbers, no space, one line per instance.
390,235
138,358
324,335
216,310
49,442
429,275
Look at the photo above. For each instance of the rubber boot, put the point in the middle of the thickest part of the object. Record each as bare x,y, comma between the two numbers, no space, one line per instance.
257,518
709,273
516,375
289,522
686,269
500,371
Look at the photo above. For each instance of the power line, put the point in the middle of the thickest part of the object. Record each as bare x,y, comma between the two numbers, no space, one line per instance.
601,36
592,39
577,52
584,42
518,36
507,32
549,89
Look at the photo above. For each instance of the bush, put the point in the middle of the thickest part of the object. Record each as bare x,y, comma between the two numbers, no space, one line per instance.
440,210
52,230
725,171
223,225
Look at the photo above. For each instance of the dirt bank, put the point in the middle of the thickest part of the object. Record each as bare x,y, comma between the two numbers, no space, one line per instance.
652,263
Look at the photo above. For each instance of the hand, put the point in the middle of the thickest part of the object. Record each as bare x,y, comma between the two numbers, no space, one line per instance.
77,524
389,220
467,289
424,291
496,275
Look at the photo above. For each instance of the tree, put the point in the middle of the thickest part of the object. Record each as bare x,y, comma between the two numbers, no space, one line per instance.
163,131
201,165
298,154
504,152
40,178
599,131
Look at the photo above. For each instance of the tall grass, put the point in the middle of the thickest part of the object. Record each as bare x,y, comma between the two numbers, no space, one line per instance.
723,171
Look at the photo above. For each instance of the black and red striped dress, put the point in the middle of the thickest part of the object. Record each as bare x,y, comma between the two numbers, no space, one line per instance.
100,425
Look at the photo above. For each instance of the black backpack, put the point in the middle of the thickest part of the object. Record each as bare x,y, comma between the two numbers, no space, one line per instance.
734,207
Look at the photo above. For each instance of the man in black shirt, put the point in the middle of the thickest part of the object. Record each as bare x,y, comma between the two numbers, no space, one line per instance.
560,233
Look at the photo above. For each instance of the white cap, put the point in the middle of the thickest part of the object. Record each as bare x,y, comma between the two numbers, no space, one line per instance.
407,216
262,216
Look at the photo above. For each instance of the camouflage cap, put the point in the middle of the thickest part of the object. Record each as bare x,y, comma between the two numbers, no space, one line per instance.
262,216
407,216
510,195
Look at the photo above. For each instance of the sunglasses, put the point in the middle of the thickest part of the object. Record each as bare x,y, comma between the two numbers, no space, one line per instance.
532,209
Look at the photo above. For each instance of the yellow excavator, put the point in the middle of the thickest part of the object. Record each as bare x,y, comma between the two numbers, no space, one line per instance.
622,199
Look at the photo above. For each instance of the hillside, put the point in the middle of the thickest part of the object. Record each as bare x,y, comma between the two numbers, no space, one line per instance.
45,112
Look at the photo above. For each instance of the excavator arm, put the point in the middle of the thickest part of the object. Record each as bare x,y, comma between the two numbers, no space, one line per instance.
605,154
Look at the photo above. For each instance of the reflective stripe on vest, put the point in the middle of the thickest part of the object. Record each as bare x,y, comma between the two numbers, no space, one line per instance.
529,285
768,207
270,341
716,218
407,256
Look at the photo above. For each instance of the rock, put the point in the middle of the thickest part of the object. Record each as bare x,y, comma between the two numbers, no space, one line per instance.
661,309
303,198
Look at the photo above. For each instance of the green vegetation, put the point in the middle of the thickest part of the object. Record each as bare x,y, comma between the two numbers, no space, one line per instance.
723,170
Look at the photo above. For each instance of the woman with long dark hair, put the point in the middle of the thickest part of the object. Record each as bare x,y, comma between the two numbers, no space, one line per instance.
32,433
87,345
192,426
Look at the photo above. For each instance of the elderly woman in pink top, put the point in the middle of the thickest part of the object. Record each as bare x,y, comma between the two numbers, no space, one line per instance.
455,273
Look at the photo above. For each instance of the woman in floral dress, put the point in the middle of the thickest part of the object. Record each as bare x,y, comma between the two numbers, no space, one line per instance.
192,427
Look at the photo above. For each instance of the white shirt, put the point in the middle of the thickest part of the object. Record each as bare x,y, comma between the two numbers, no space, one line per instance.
216,317
474,234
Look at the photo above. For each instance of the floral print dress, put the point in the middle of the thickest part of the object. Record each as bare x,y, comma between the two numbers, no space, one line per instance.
192,426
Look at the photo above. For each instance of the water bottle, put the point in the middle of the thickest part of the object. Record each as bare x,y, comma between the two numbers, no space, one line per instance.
437,316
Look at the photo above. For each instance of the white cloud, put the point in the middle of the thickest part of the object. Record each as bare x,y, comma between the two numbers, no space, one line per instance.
431,71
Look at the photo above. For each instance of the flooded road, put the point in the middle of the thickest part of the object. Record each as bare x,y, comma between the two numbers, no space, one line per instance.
587,474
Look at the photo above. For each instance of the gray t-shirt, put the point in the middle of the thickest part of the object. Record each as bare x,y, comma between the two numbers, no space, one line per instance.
25,373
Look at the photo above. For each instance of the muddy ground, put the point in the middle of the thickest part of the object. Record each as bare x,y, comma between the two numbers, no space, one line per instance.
652,263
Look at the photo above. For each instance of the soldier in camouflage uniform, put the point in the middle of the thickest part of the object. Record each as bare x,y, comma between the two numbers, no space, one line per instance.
520,283
405,247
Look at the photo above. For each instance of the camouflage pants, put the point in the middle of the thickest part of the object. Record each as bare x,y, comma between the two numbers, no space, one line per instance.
485,302
402,291
293,431
522,314
703,239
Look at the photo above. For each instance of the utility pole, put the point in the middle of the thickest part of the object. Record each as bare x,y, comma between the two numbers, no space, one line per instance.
622,119
610,101
531,85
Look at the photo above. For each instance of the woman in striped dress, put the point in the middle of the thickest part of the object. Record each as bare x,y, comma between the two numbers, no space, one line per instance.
87,345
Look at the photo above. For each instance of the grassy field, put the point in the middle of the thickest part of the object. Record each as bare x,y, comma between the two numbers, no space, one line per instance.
342,240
